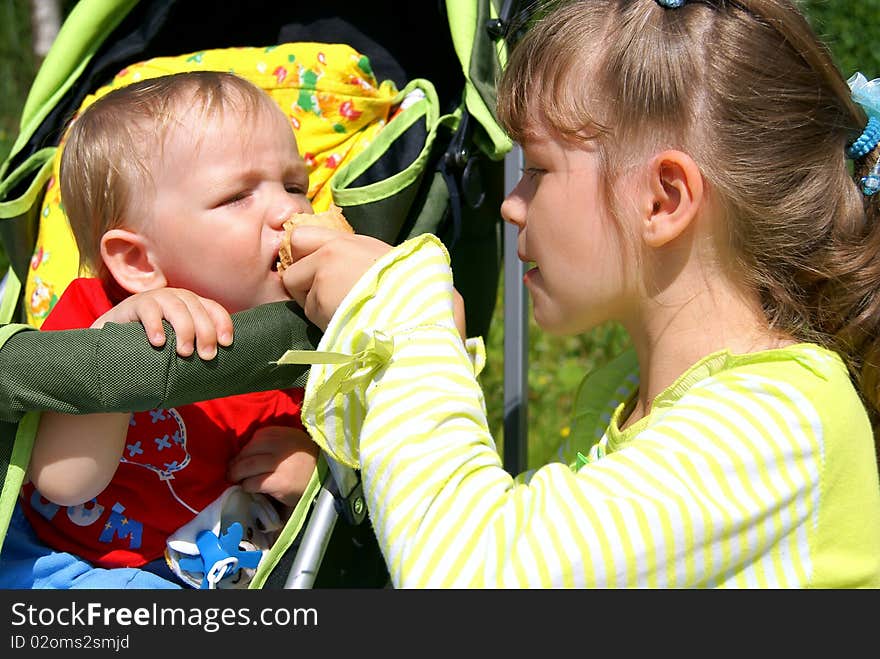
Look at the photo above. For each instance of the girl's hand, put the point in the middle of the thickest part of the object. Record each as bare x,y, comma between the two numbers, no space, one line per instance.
326,264
195,319
277,461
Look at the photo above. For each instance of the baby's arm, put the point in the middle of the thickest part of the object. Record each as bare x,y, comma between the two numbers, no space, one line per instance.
277,461
75,457
195,319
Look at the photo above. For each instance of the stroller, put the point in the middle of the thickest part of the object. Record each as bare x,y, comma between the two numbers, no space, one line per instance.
436,166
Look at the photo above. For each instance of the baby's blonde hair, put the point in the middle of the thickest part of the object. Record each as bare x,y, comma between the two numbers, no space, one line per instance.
111,146
748,90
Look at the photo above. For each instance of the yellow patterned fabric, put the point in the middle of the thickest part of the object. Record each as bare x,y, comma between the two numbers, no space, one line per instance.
335,104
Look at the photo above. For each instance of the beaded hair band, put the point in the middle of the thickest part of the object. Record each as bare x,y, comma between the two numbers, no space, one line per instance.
867,94
670,4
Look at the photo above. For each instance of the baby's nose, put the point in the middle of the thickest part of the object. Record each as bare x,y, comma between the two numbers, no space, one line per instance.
277,218
288,207
282,212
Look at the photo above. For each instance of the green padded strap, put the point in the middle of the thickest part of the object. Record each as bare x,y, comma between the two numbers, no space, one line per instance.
15,449
15,454
115,369
9,298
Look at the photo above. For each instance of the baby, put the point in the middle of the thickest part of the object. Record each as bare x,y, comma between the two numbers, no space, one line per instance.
176,189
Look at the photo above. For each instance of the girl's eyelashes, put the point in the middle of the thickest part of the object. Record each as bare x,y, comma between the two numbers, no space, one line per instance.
531,172
294,188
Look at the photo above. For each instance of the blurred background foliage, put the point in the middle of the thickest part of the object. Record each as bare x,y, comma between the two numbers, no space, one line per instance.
556,364
18,65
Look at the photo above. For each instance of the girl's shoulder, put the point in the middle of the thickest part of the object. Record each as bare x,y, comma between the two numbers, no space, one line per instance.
802,384
806,367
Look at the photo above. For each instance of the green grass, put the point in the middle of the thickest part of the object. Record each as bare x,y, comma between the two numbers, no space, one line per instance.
556,364
17,68
852,32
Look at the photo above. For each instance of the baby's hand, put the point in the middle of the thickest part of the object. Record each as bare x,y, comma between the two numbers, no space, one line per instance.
194,318
278,461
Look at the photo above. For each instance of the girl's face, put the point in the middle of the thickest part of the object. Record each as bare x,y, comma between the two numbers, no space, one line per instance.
223,188
583,272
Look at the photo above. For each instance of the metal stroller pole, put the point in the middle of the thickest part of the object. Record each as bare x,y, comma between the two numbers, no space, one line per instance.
317,535
516,337
341,495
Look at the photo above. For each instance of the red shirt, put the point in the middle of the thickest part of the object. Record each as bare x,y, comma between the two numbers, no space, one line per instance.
173,465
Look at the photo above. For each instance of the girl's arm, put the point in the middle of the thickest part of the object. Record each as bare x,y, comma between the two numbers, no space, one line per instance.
408,410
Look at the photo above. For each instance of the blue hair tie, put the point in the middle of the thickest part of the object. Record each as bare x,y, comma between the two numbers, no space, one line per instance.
670,4
867,140
866,93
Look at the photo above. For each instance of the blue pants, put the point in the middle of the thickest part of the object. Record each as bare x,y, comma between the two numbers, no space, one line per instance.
25,562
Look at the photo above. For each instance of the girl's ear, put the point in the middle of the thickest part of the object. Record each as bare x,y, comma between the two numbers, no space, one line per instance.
129,258
674,195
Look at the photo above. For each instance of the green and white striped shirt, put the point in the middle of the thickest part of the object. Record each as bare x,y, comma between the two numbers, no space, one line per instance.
755,470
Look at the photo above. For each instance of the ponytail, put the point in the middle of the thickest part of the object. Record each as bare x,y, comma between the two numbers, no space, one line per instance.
848,309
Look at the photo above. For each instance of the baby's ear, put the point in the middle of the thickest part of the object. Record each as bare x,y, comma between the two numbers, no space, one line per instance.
675,195
129,259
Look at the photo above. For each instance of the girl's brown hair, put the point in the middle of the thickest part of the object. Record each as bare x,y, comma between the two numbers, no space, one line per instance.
748,90
112,144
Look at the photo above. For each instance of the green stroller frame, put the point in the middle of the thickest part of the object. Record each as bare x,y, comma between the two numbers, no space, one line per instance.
457,183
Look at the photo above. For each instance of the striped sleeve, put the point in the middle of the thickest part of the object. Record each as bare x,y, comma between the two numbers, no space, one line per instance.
697,499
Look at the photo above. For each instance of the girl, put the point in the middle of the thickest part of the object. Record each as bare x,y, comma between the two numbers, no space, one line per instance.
686,175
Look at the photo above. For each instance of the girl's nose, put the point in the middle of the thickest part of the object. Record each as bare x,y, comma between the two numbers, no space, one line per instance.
513,209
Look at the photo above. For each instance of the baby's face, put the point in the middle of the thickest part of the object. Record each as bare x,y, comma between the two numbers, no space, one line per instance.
223,188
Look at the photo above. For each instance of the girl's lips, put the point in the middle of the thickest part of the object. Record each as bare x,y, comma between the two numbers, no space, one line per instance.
525,259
